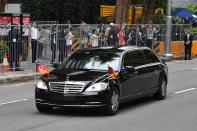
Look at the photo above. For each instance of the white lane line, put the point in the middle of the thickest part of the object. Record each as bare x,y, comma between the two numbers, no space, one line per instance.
194,68
13,85
13,102
184,90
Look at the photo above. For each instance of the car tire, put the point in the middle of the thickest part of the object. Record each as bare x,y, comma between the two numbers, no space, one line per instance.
161,93
43,108
113,103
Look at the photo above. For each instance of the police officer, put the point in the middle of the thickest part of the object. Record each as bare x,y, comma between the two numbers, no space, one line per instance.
188,38
53,37
14,48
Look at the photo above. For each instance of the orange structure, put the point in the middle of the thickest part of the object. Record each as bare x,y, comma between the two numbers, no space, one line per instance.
177,48
109,11
5,66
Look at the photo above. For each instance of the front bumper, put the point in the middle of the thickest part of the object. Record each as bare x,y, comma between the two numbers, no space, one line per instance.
85,99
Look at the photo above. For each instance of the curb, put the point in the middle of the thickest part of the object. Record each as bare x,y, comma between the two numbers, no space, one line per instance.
174,58
19,78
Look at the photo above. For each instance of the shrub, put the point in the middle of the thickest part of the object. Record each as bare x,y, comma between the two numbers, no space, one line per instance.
3,49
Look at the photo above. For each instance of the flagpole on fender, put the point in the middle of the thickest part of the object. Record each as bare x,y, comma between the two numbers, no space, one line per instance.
36,74
108,75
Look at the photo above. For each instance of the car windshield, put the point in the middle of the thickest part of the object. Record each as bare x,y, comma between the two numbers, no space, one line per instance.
93,60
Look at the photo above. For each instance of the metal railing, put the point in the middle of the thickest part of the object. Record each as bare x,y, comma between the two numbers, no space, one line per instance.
55,41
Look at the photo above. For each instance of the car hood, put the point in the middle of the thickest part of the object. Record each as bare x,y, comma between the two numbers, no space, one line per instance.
76,75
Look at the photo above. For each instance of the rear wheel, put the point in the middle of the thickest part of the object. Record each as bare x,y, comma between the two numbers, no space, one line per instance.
44,108
113,104
161,93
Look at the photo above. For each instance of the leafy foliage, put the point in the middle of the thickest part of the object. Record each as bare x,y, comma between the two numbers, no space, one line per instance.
63,10
2,5
3,49
149,9
192,7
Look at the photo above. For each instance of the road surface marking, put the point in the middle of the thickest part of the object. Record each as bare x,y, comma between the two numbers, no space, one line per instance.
13,85
185,90
194,68
13,102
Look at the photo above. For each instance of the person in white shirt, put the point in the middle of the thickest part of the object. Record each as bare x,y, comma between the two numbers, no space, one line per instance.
69,40
94,38
34,38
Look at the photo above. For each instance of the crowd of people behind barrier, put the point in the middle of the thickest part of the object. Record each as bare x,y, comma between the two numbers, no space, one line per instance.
54,41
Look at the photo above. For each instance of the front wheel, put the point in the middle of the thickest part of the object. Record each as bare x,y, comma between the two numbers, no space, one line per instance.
113,104
161,93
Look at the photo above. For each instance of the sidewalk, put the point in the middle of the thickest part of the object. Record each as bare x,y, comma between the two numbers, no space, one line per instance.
22,76
17,76
28,74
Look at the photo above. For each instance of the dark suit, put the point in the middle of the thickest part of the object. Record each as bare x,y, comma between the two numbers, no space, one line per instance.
14,45
188,46
53,46
111,36
61,45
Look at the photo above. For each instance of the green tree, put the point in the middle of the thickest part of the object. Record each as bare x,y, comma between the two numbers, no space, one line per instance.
192,7
63,10
149,9
33,7
2,5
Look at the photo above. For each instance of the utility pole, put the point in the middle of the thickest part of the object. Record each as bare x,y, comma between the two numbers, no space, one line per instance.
122,10
168,31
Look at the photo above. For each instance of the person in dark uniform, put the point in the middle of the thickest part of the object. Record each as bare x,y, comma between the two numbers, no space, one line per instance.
188,38
62,44
53,45
112,35
14,46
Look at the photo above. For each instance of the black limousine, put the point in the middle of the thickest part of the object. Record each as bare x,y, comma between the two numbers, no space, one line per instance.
83,80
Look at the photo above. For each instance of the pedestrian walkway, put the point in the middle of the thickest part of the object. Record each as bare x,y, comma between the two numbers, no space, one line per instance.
28,72
17,76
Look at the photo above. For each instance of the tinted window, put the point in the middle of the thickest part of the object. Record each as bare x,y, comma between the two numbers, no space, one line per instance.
93,60
134,58
150,57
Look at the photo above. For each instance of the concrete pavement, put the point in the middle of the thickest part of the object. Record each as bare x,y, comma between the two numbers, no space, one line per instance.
28,74
176,113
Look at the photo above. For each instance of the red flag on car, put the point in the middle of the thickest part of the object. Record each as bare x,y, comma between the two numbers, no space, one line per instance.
42,68
112,73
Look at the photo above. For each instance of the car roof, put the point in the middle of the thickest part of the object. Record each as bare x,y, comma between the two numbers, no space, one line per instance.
115,49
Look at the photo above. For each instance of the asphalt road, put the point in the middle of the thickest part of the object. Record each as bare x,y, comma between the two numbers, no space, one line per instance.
178,112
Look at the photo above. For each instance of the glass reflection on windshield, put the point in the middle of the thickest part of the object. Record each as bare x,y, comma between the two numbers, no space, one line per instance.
92,60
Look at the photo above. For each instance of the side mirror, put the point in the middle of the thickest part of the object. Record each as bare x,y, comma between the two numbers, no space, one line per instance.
56,65
129,69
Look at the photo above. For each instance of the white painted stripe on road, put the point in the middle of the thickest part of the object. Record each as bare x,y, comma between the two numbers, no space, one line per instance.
13,85
185,90
194,68
15,101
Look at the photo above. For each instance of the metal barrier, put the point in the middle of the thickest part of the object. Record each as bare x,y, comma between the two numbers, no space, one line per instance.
54,42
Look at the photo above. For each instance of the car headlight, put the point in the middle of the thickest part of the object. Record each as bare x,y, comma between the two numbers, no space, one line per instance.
41,85
97,87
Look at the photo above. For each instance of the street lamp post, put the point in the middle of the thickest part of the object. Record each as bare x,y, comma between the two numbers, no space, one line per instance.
168,31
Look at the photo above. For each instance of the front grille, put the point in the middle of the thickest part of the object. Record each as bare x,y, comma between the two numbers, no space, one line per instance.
67,87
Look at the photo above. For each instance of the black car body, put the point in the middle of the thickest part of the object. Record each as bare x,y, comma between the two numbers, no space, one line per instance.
83,80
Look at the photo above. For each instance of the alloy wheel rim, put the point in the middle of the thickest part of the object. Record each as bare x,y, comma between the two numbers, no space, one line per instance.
114,101
163,88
